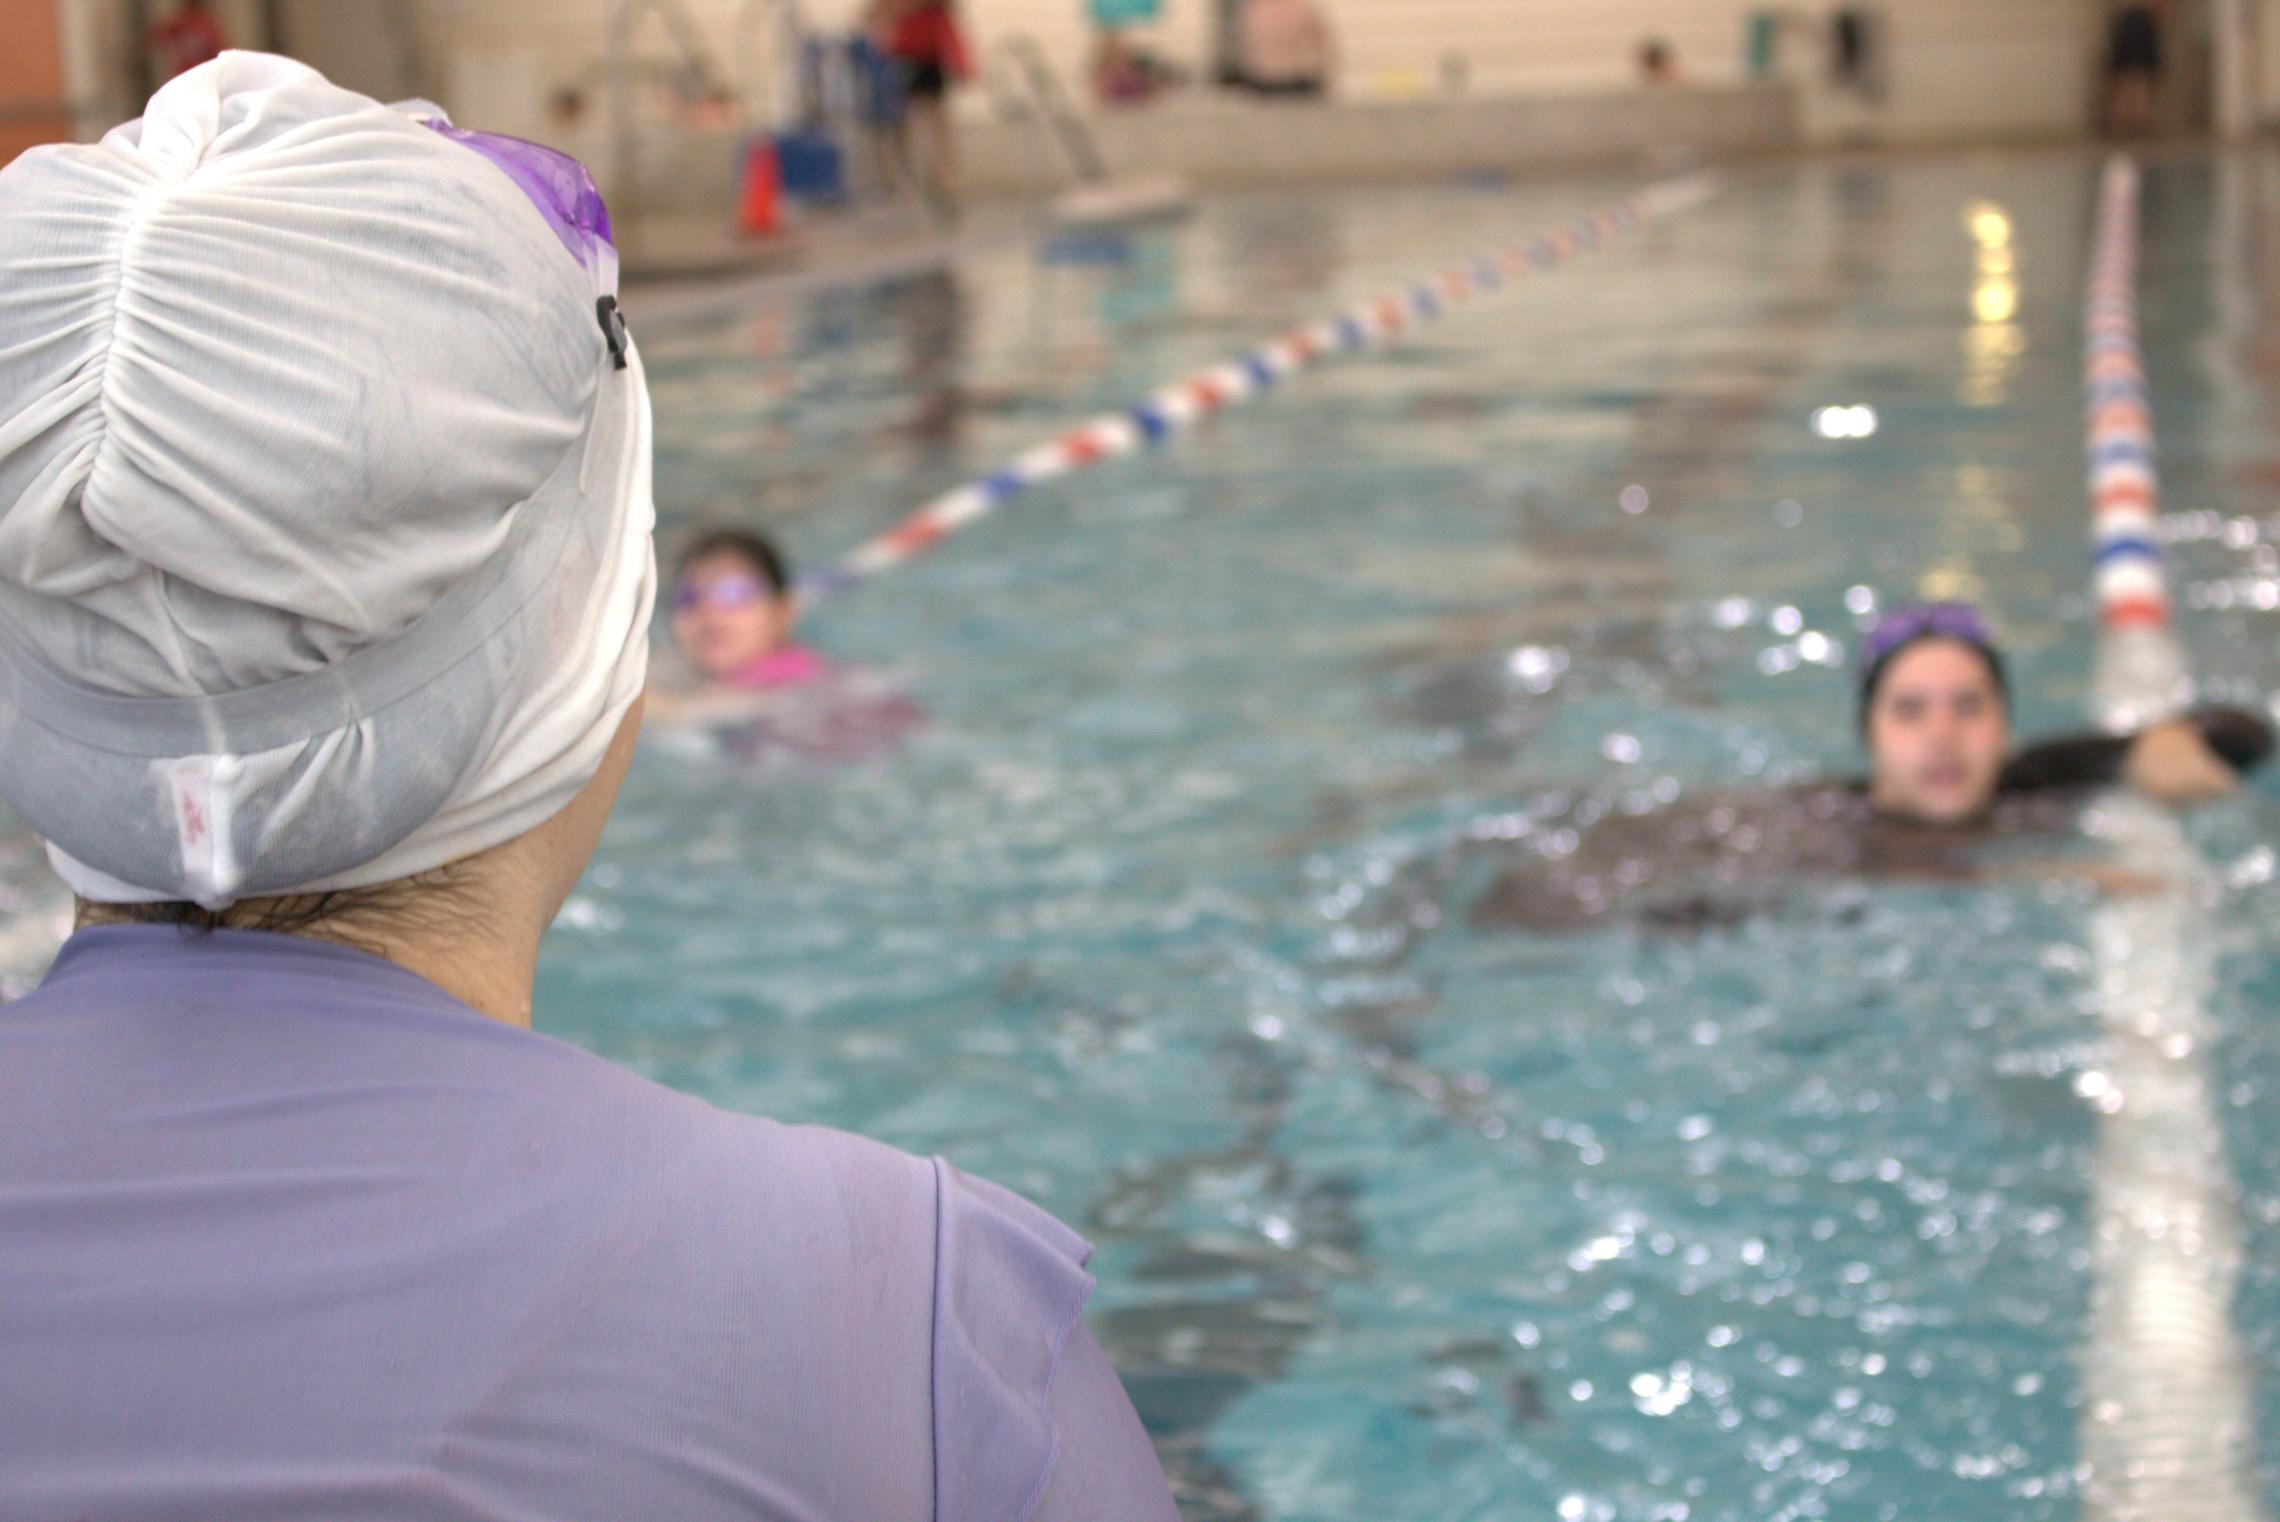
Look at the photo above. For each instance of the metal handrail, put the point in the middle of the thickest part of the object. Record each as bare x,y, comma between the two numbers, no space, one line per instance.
1052,109
755,95
618,35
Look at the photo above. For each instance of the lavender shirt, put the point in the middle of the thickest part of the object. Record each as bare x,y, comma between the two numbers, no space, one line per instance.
286,1232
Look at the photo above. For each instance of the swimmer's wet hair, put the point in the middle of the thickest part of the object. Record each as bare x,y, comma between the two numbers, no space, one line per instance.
755,550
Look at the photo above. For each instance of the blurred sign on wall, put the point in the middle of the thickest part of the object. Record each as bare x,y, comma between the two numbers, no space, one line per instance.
1124,12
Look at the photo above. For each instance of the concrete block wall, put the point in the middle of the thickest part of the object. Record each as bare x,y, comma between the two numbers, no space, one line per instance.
1959,69
1223,142
33,108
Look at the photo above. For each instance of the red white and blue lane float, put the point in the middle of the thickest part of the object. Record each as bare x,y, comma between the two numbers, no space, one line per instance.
1178,407
2142,674
2168,1411
2125,491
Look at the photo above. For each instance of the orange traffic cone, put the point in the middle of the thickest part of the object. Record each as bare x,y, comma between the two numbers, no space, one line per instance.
758,196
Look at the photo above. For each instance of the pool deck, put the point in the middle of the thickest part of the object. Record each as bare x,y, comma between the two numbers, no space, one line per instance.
685,269
689,266
680,225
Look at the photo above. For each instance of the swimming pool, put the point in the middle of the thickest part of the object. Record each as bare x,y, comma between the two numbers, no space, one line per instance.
1161,918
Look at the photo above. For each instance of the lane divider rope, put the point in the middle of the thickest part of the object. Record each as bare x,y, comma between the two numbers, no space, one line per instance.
1177,408
2127,577
2167,1426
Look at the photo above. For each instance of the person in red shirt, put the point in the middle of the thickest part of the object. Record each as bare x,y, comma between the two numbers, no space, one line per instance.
192,37
923,38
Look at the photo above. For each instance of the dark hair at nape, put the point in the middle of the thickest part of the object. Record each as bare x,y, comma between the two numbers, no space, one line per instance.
1873,678
754,549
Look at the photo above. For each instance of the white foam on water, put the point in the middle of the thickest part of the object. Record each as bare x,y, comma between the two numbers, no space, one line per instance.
2166,1431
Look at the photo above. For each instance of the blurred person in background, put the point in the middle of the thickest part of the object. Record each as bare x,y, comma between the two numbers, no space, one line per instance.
738,671
188,38
2134,56
733,614
1125,73
924,40
1936,720
1943,783
1286,48
1658,66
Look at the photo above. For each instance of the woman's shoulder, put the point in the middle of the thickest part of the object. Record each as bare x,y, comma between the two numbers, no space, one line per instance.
988,1255
912,1265
1010,1287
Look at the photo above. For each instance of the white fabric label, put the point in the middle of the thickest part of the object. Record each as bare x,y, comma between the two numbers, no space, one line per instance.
201,788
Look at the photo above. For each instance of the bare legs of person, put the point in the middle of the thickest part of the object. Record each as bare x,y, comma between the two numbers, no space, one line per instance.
932,153
2130,104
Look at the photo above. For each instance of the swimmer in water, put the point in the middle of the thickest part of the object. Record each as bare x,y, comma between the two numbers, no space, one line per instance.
734,614
733,619
1935,716
743,674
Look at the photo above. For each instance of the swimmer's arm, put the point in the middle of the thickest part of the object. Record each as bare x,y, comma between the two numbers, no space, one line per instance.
2108,879
2074,761
704,707
2113,881
2171,763
2185,760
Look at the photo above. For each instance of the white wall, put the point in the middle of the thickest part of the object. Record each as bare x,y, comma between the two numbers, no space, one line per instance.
360,44
1958,68
2263,68
96,64
100,47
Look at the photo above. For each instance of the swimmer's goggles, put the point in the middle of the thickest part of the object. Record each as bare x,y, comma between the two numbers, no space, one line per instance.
1927,620
722,592
1902,627
565,195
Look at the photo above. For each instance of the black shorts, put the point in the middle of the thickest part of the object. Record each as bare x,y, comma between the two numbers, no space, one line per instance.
2134,45
925,79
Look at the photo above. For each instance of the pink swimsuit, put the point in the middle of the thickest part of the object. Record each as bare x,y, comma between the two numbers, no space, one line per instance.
792,666
841,723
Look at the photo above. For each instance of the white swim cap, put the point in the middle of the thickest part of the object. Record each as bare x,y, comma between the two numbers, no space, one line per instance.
324,491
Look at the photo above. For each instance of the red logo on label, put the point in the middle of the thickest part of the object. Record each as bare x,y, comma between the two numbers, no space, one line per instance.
193,821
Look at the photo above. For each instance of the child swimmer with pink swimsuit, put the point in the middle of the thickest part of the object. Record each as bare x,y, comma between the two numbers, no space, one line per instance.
734,617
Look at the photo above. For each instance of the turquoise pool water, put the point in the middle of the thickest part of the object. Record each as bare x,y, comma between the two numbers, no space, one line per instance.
1161,918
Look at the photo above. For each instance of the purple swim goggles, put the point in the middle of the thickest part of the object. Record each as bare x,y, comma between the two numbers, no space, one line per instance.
565,195
1925,620
722,592
1903,626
